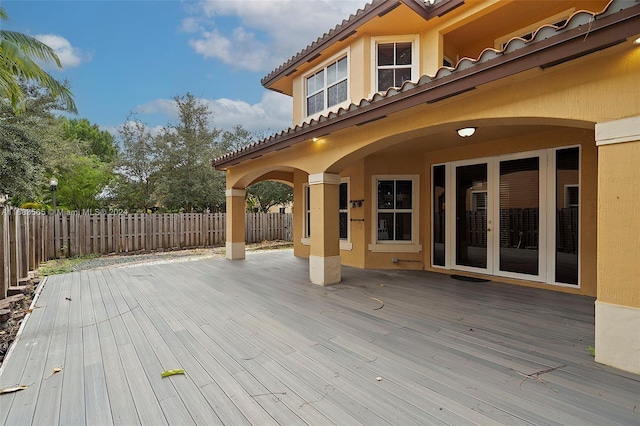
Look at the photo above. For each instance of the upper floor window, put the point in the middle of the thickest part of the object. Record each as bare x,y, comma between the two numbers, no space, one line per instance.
394,64
327,87
396,61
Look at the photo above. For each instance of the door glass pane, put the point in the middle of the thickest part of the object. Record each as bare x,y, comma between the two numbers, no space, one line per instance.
567,203
471,220
519,215
438,215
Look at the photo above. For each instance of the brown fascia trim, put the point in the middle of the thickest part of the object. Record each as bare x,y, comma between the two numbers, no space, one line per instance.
381,8
604,32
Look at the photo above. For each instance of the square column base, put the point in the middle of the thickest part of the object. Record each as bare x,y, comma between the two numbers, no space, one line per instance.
235,251
618,336
325,270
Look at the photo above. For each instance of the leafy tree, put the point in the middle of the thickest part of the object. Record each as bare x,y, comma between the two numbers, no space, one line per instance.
187,180
18,56
81,180
23,138
100,142
264,195
232,140
137,167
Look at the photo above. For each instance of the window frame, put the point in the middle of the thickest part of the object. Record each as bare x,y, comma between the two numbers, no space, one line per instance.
306,215
346,53
408,246
414,39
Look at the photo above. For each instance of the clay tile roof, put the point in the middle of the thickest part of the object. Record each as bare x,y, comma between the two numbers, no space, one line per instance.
360,13
577,19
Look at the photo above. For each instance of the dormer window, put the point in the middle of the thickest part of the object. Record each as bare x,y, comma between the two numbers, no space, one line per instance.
327,87
396,61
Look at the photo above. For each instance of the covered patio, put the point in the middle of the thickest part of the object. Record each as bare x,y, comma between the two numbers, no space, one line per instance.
261,345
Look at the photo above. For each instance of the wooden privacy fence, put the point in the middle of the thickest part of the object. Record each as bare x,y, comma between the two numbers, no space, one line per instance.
31,236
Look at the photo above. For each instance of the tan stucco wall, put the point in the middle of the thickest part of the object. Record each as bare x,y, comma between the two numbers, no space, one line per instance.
619,224
578,93
355,256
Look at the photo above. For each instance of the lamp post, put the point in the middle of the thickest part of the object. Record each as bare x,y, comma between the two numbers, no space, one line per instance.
54,184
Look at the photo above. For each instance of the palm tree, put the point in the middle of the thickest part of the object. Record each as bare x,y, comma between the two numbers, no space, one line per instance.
18,53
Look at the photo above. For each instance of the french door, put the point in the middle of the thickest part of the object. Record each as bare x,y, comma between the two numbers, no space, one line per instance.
496,216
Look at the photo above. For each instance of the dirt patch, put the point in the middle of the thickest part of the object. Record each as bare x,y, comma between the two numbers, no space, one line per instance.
13,310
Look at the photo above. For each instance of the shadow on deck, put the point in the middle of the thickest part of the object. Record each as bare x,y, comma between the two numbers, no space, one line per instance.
261,345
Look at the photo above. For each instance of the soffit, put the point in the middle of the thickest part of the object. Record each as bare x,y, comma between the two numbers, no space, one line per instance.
511,16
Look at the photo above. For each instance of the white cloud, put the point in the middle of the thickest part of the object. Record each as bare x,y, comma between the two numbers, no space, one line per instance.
69,55
270,31
272,114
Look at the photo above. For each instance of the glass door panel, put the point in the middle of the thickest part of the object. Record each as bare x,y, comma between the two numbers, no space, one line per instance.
519,194
567,206
471,215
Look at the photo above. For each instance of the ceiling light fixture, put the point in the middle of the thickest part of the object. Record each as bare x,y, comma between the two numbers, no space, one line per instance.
465,132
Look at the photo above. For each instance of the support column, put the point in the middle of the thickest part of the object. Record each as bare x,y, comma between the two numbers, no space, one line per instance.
618,305
324,258
235,223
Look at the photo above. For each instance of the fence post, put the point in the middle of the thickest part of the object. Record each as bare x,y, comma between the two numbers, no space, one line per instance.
4,252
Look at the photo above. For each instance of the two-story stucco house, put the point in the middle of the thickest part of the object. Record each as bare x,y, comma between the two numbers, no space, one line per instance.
490,138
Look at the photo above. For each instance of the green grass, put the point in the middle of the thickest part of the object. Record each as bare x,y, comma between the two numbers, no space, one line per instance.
591,350
63,266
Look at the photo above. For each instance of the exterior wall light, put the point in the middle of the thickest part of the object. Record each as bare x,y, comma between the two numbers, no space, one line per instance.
636,41
465,132
315,139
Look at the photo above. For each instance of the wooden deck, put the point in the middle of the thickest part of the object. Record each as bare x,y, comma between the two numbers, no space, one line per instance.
261,345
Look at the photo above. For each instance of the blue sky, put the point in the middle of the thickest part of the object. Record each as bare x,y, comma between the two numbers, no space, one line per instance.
134,56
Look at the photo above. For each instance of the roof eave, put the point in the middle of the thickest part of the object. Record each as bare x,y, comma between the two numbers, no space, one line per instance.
602,33
350,27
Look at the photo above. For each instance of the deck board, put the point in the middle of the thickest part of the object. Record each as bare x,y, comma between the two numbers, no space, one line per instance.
261,345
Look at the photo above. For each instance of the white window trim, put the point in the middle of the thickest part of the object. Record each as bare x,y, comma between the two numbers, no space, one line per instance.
346,244
411,246
415,56
344,53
